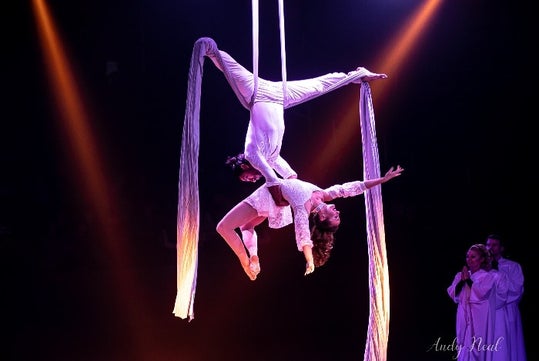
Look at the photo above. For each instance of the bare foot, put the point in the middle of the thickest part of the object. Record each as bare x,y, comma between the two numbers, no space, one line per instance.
373,77
254,265
365,75
248,271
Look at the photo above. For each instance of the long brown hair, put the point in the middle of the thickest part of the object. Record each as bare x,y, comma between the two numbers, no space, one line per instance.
323,237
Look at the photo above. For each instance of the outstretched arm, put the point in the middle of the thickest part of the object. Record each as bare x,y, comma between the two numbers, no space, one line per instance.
352,189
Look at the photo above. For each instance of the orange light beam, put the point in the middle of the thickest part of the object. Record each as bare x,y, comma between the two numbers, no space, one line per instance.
391,61
91,174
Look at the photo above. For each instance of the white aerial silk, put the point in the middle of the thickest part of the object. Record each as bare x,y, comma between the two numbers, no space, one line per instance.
188,199
378,328
188,216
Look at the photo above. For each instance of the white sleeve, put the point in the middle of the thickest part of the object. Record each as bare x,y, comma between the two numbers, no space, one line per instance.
301,227
350,189
283,168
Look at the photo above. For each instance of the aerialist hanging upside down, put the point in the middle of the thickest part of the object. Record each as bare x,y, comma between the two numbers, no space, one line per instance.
266,105
315,221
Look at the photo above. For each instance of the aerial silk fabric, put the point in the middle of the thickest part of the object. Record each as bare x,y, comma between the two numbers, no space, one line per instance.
187,230
188,201
188,215
378,327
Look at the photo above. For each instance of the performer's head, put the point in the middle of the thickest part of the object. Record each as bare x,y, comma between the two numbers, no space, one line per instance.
324,223
243,169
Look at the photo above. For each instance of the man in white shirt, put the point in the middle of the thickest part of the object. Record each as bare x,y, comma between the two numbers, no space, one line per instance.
515,277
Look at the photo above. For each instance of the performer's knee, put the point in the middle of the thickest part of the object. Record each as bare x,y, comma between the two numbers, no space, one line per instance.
222,228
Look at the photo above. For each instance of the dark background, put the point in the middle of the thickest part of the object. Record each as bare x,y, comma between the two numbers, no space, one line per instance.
458,118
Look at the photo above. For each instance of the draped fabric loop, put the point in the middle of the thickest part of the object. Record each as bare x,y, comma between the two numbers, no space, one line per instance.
188,214
378,327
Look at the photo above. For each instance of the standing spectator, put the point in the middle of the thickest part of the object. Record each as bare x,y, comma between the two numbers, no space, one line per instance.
502,351
515,289
473,290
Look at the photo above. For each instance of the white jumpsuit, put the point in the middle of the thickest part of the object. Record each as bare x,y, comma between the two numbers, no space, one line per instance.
265,132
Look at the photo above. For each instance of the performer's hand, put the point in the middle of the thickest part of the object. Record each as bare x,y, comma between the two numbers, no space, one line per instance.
309,268
393,172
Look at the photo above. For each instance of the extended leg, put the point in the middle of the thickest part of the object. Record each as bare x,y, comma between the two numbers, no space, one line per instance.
238,216
300,91
238,77
250,239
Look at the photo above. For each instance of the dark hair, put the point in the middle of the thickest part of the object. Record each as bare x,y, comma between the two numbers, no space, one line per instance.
236,162
497,237
323,237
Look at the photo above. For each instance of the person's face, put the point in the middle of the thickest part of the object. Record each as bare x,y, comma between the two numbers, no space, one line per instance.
494,246
250,175
473,260
331,214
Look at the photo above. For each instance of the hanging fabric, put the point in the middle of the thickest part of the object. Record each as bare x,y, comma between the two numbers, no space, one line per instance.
254,14
188,214
378,328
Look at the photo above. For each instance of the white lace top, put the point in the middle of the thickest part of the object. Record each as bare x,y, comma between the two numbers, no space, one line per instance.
297,193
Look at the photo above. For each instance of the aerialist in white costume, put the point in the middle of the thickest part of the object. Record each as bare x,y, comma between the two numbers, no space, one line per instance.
265,132
308,205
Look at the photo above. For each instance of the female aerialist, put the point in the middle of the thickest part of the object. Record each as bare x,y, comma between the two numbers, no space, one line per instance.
308,205
264,100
